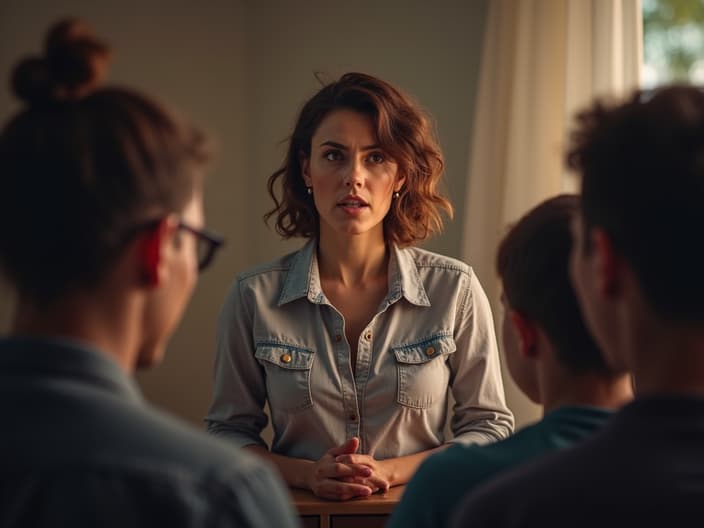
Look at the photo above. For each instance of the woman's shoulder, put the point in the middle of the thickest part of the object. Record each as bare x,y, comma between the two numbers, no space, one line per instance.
436,262
276,266
263,281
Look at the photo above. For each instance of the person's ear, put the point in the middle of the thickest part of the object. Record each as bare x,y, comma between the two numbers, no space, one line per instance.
154,251
608,264
305,169
527,333
399,183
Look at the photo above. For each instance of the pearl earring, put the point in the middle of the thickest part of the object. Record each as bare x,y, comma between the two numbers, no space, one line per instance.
310,190
395,194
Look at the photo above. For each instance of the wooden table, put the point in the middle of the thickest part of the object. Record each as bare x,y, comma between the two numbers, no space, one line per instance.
364,512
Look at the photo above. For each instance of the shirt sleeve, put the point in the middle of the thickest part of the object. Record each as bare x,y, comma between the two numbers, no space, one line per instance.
480,414
237,412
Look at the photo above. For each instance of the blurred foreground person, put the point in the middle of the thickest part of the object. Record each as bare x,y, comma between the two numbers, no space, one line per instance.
101,234
637,267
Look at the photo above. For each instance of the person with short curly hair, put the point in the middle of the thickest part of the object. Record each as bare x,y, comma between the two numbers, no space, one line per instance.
355,340
636,266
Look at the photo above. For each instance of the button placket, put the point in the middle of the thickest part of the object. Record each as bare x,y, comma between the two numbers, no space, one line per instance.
349,390
364,359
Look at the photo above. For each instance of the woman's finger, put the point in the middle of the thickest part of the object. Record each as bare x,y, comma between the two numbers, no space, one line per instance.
338,490
337,471
356,459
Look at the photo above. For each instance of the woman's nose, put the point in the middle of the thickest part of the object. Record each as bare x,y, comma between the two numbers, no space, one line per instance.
354,175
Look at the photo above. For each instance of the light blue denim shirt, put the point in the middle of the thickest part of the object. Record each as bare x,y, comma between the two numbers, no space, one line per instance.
280,340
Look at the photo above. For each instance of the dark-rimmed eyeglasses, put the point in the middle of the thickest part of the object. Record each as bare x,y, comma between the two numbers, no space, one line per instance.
207,244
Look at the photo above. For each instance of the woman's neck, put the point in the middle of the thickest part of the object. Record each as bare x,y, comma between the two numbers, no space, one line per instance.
352,259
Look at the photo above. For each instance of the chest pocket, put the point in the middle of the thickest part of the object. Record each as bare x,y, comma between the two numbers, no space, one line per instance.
287,376
423,373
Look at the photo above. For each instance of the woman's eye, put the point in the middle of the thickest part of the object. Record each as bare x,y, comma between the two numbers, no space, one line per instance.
377,157
332,155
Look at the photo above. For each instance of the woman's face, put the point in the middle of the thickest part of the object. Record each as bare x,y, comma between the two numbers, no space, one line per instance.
352,178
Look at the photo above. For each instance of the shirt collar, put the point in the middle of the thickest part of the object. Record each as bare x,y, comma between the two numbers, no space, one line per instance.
303,278
404,279
61,358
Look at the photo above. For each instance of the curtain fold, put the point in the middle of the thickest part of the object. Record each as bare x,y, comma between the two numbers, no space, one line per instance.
542,60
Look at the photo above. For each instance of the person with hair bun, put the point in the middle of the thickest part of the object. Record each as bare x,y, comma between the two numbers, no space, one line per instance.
355,340
102,237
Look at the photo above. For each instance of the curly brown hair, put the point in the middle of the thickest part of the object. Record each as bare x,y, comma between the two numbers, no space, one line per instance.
403,131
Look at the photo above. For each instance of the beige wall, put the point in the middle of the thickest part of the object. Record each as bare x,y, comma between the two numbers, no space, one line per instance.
242,69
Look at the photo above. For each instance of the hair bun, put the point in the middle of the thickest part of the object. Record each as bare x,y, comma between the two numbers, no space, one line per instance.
30,80
74,65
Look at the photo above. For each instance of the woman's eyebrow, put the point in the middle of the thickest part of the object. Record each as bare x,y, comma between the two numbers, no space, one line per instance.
343,147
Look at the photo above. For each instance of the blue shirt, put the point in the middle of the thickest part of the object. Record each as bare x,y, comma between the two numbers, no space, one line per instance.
445,477
281,341
79,447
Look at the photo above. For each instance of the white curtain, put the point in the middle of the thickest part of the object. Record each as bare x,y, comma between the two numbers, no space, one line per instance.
542,60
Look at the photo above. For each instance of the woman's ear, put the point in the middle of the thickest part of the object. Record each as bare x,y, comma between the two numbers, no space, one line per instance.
305,169
399,183
527,333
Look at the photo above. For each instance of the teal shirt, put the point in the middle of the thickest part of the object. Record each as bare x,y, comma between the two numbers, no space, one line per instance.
444,478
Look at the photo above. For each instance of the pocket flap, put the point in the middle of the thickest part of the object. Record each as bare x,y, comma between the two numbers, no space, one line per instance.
425,350
285,356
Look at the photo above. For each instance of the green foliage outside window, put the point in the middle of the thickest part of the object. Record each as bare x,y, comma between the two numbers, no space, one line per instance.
673,48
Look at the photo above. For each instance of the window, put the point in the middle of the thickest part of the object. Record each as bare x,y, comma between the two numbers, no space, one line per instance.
673,47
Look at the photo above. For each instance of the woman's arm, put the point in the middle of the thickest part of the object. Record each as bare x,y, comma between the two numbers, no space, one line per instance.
480,414
237,411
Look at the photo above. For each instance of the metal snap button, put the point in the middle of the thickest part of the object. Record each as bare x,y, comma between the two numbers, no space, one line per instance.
286,358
